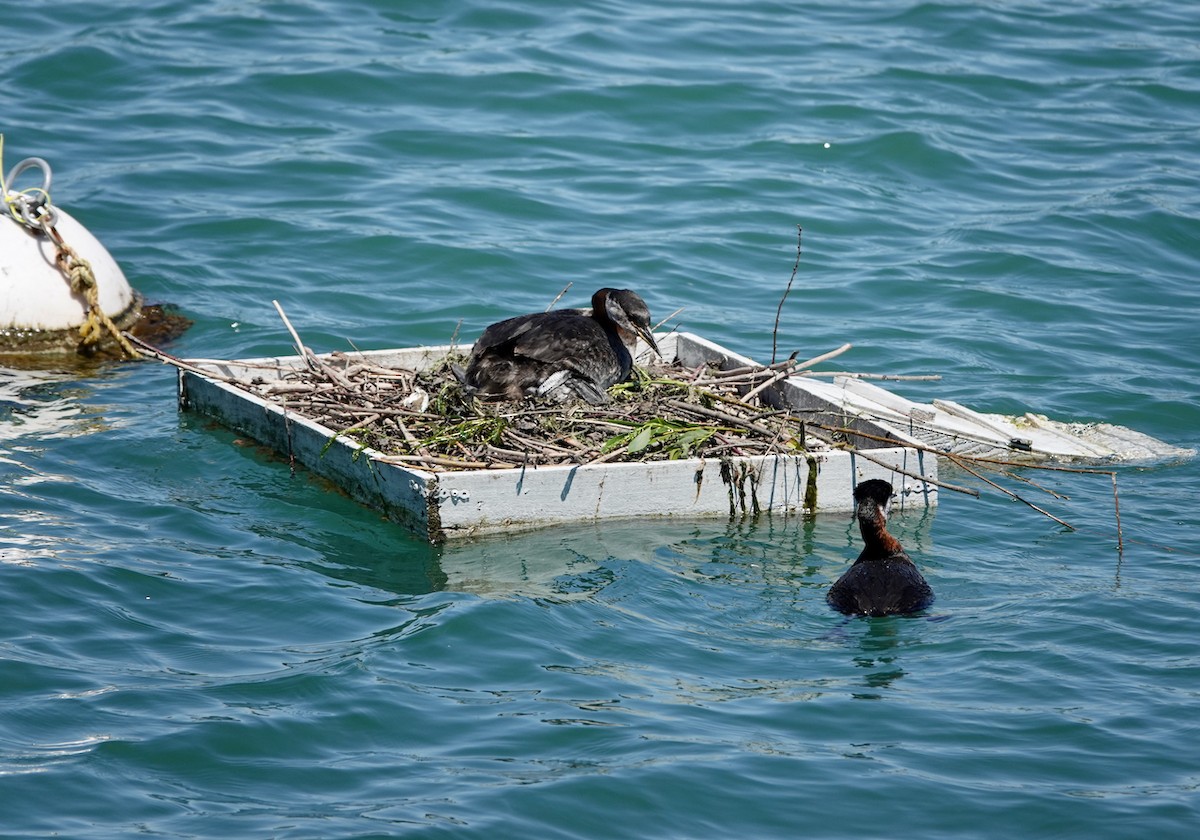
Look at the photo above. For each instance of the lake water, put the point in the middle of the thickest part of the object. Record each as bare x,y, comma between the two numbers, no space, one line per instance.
198,643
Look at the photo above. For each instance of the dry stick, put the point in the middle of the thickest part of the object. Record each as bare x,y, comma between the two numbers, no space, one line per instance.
537,448
560,294
250,365
944,485
545,446
779,309
439,461
664,320
361,424
387,373
309,356
1010,493
816,360
1052,467
735,401
737,447
890,377
607,424
725,417
784,369
607,456
1117,510
747,370
766,383
411,439
289,388
1027,480
958,459
166,358
316,400
783,374
974,458
300,348
511,454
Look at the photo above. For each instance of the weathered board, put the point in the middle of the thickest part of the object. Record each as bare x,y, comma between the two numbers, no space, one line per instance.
946,426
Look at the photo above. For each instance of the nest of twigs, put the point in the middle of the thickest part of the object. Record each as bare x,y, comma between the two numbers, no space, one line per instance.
425,418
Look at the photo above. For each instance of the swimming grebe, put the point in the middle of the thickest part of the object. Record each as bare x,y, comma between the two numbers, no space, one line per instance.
562,353
883,580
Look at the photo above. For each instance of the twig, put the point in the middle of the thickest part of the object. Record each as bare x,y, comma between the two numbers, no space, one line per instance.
249,365
309,356
816,360
560,294
302,351
1008,492
970,491
801,366
975,458
729,373
608,456
166,358
361,424
779,309
725,417
664,320
437,460
765,384
410,438
1117,510
890,377
1024,479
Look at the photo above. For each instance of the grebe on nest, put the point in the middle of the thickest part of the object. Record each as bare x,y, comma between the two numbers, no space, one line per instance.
883,580
562,353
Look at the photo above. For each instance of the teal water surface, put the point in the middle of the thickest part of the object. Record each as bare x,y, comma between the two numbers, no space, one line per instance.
199,643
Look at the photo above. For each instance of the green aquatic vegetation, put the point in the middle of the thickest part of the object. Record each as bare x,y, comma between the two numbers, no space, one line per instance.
670,437
486,429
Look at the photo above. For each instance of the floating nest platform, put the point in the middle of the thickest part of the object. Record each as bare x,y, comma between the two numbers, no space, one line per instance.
700,432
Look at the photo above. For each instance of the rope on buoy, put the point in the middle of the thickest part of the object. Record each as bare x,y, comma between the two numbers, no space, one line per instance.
33,209
82,279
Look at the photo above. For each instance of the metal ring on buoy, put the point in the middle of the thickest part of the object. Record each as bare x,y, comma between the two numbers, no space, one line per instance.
33,213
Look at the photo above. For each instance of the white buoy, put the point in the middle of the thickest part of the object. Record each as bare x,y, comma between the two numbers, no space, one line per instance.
39,313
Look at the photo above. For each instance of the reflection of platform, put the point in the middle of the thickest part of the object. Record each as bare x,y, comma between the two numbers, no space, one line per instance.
462,503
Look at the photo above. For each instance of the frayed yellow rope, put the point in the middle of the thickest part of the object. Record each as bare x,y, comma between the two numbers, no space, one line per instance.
82,279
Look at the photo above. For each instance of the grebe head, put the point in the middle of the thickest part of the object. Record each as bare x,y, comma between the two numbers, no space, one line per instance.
627,311
873,494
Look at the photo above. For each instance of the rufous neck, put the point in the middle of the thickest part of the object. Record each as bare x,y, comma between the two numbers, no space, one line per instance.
873,526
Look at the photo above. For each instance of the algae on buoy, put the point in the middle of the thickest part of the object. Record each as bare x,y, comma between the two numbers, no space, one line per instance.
61,292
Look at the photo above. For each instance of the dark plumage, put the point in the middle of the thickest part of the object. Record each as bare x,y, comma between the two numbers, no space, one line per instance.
564,353
883,580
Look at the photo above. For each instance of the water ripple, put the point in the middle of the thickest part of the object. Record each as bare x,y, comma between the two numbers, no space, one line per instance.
200,643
